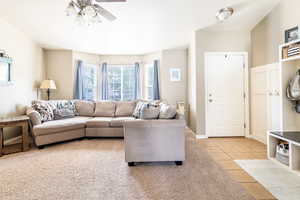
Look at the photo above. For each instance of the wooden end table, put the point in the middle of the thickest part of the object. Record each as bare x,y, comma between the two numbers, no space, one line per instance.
20,121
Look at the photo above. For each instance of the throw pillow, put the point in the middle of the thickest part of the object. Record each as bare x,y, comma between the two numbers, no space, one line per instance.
149,111
137,110
45,109
167,111
64,109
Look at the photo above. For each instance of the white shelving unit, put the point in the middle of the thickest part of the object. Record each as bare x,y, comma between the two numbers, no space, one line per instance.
294,152
288,68
290,119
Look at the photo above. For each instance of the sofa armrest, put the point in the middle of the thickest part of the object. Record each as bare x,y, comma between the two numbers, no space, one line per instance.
34,116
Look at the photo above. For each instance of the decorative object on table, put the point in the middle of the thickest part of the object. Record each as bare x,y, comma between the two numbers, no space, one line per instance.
20,121
5,69
175,74
88,12
292,34
293,91
48,85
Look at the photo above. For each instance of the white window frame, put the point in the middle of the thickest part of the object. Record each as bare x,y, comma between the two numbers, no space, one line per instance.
89,65
122,66
147,86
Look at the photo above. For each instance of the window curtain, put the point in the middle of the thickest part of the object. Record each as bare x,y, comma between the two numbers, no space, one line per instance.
79,92
137,81
156,92
104,82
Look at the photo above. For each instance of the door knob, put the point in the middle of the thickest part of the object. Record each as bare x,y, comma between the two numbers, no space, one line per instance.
210,100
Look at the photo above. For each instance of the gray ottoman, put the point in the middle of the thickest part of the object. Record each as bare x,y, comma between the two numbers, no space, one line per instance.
154,141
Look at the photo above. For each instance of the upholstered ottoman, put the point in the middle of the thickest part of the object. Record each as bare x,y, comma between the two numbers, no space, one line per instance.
154,140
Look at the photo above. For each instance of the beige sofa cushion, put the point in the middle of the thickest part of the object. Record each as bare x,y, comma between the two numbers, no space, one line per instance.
105,109
125,108
62,125
99,122
118,121
85,108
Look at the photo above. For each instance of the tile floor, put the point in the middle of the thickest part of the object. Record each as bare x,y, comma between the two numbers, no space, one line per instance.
225,150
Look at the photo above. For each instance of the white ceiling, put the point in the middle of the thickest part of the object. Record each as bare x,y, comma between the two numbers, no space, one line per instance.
142,26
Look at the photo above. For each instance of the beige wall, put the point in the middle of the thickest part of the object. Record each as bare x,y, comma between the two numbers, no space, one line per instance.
121,59
210,41
86,57
27,71
192,84
59,67
173,92
269,33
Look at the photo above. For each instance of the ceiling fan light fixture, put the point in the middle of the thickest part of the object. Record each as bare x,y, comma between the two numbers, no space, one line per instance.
224,13
71,9
89,12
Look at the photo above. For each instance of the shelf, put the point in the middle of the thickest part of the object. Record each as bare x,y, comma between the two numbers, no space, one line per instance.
290,43
291,59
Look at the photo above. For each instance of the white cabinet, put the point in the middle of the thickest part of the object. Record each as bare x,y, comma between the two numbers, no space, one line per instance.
265,101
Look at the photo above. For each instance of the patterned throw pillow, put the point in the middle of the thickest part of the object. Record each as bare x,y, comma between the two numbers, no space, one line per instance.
137,110
146,110
64,109
167,111
149,111
45,109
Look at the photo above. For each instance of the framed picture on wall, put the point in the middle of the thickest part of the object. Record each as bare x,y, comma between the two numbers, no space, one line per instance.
175,74
292,34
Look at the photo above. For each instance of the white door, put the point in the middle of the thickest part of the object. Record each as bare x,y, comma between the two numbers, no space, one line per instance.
225,115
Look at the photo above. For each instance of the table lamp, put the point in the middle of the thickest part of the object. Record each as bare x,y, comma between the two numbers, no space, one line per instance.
48,85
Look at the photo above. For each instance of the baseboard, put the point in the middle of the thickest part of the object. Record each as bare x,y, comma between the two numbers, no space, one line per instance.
197,136
201,137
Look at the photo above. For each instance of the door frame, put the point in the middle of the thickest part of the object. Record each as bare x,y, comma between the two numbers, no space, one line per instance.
246,89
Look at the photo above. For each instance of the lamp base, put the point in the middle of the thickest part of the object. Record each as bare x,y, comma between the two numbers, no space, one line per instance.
48,93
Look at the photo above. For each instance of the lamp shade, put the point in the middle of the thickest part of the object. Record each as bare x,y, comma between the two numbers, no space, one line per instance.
48,84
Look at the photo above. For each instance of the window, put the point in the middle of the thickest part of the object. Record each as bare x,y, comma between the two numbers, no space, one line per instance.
149,79
90,81
121,82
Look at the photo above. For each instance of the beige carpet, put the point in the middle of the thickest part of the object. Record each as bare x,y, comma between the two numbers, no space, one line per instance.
95,169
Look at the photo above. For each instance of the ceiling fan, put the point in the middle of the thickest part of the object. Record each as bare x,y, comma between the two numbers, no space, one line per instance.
89,11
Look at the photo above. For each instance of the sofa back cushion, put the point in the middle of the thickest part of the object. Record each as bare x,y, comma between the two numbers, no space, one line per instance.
105,109
85,108
125,108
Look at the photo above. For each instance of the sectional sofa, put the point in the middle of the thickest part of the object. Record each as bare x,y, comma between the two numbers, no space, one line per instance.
93,119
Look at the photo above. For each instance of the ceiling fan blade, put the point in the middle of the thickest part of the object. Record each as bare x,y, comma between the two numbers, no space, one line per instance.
105,13
111,1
